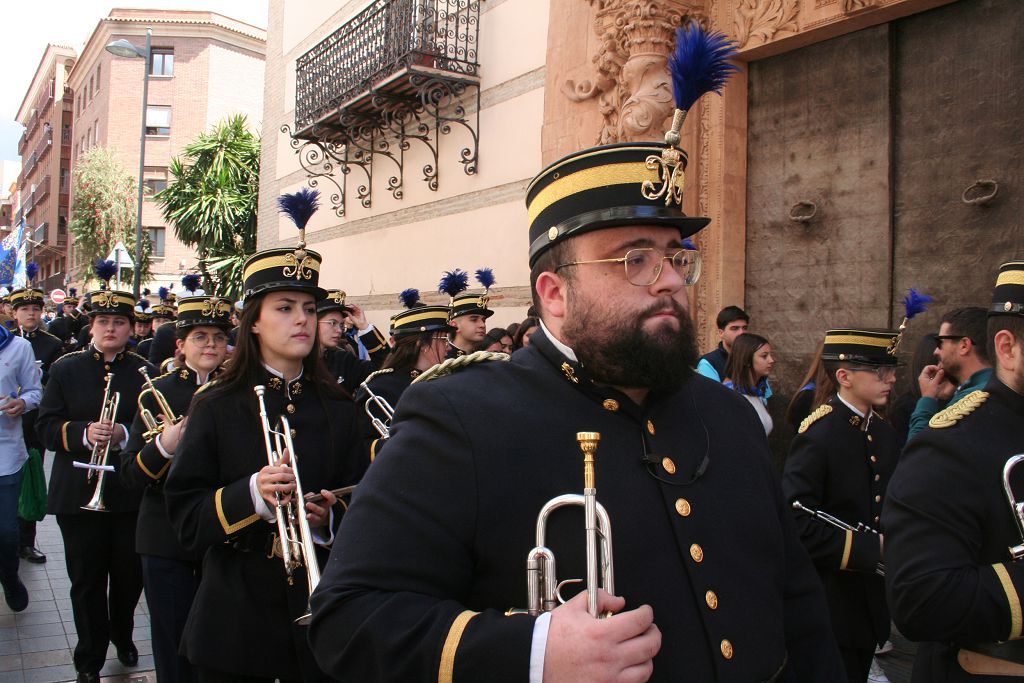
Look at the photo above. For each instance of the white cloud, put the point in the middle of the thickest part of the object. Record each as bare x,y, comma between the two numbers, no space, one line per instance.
28,28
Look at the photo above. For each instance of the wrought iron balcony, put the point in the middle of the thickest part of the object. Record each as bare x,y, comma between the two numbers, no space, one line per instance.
400,71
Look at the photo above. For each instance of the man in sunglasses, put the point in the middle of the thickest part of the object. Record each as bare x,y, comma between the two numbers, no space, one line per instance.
710,581
963,365
840,464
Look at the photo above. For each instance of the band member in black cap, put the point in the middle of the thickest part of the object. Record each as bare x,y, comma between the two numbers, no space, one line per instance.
67,325
332,317
223,496
840,464
713,582
28,309
953,584
163,344
171,573
96,515
421,341
469,312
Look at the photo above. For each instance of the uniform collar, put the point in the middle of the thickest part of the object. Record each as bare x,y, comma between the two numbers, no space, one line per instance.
275,380
97,355
189,373
1012,399
857,418
27,334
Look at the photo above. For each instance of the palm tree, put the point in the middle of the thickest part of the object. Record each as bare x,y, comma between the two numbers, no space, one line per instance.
212,201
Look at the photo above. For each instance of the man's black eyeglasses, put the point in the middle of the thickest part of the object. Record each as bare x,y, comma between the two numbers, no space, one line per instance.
939,338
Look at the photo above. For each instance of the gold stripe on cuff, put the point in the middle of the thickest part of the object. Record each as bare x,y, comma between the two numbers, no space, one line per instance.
446,671
1012,598
142,466
64,436
847,549
231,528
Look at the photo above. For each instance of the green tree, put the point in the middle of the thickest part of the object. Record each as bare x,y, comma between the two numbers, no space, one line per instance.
212,201
103,212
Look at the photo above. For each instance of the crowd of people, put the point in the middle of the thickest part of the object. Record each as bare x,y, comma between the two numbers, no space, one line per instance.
211,462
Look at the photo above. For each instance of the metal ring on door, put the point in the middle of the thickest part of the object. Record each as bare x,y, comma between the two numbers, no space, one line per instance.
810,211
983,198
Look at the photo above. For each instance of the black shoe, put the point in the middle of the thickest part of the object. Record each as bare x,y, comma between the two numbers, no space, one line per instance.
32,555
16,596
129,656
85,677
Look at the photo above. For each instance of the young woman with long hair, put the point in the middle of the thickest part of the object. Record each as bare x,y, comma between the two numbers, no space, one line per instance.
747,370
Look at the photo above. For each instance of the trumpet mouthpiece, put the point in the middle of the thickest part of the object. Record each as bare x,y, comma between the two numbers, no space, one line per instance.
588,444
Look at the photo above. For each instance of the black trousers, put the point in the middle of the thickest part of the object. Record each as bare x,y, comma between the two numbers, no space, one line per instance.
857,663
99,548
170,587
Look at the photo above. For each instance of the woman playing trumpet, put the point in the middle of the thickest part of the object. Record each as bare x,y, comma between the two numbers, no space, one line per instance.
223,496
170,572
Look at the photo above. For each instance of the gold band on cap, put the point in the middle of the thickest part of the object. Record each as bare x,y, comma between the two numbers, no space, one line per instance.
1010,277
110,299
634,172
279,261
859,339
221,306
441,315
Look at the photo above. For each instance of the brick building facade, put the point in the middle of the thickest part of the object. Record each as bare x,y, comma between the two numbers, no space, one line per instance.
204,68
45,180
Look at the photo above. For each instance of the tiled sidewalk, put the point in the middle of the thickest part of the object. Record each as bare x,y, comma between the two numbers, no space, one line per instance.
35,645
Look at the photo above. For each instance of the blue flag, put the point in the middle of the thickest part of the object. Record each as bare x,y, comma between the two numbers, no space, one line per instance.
9,254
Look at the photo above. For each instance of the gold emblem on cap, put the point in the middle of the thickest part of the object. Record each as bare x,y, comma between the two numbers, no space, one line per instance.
670,175
552,234
103,299
296,267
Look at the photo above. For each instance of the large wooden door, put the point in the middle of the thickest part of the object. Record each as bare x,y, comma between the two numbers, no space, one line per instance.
870,141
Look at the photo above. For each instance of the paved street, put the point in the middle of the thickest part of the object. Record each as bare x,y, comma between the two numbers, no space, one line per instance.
35,645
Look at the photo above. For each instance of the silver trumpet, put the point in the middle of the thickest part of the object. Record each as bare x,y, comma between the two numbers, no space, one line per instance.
1017,551
294,535
840,524
378,410
542,586
100,453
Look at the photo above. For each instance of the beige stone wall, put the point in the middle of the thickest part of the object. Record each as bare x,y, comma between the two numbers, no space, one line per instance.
216,72
470,221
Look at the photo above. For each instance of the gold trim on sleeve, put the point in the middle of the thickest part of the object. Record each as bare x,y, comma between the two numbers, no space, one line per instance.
64,436
237,526
1016,621
142,466
446,671
847,549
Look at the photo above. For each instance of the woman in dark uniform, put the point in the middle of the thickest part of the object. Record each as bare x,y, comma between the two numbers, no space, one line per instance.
421,341
221,491
171,573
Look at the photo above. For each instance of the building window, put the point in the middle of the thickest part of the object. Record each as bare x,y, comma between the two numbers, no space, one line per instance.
161,62
158,120
90,91
96,127
156,240
65,184
97,78
155,180
65,134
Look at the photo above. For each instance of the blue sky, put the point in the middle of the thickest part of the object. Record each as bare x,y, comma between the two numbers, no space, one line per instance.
70,23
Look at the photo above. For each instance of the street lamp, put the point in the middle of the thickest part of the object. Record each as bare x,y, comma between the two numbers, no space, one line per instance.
124,48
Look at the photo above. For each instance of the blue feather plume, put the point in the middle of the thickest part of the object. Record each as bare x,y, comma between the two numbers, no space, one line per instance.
300,206
915,302
700,63
454,282
162,293
73,291
190,282
105,269
409,297
485,276
31,270
689,244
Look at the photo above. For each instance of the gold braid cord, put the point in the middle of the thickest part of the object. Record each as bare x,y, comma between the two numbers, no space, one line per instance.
452,364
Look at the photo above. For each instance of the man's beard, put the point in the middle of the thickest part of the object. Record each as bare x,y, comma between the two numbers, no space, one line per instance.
617,351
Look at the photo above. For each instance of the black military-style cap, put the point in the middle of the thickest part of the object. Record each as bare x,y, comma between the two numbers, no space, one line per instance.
282,270
1008,296
866,347
418,317
26,297
604,187
334,302
470,303
106,301
196,311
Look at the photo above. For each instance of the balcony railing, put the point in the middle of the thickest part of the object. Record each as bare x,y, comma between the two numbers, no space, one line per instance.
41,191
42,147
383,39
399,72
